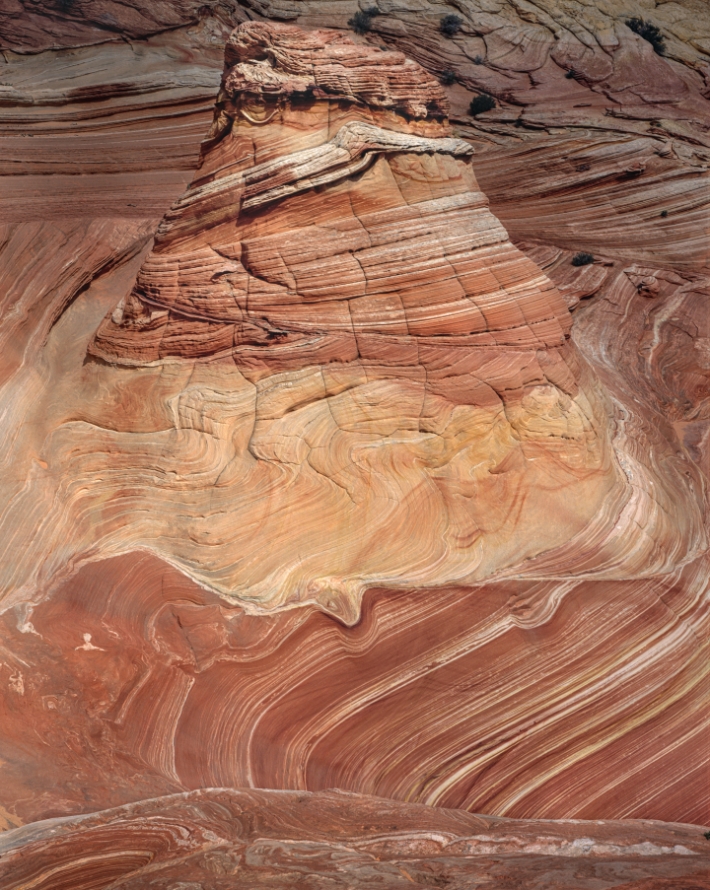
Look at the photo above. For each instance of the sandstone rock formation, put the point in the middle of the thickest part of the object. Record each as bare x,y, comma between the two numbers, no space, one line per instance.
530,699
399,333
339,494
212,838
34,25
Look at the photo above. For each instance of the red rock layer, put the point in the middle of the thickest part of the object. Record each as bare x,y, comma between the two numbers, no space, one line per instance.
212,838
639,198
402,256
31,26
575,697
93,147
45,265
557,700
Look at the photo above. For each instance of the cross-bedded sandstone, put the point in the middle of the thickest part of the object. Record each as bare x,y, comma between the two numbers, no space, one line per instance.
528,520
212,839
337,249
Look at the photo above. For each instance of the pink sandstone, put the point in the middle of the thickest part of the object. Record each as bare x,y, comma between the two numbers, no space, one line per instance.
360,483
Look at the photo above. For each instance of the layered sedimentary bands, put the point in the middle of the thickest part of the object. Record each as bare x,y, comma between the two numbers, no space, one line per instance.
325,467
220,839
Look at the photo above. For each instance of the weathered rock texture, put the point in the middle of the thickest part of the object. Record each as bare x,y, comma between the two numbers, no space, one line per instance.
399,333
536,699
215,838
432,536
34,25
394,249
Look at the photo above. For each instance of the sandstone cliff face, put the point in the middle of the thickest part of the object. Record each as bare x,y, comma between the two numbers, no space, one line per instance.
431,535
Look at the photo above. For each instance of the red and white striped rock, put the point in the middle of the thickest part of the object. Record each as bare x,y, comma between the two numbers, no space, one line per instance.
529,699
360,233
564,675
213,838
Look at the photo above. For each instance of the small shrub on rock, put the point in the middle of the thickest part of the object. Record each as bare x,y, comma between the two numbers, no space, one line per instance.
361,22
450,25
482,102
570,74
582,259
648,32
478,60
447,77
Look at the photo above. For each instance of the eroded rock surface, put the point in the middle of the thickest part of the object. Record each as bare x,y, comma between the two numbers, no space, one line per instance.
212,838
495,593
398,337
530,699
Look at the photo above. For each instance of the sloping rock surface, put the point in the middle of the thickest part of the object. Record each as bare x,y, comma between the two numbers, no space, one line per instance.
507,539
525,699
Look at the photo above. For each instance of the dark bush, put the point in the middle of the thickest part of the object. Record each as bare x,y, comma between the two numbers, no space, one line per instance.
65,5
447,77
664,213
478,60
571,74
648,32
361,22
482,102
582,259
450,25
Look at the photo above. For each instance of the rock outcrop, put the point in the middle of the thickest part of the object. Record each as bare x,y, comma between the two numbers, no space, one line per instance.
388,248
352,479
214,838
399,335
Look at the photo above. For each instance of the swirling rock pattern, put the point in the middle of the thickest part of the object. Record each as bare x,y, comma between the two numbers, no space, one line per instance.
410,243
509,533
399,333
210,839
536,699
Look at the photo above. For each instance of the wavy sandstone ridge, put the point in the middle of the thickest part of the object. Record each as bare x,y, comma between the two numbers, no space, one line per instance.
213,838
568,699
